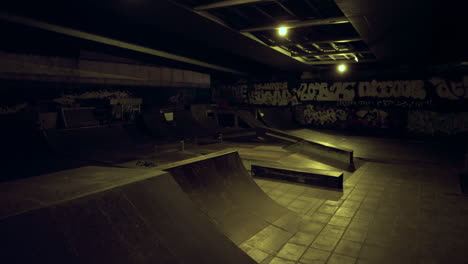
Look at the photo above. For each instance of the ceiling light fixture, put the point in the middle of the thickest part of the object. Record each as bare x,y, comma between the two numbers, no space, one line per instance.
341,68
283,31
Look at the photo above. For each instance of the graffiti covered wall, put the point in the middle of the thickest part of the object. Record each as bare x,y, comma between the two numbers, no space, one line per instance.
395,104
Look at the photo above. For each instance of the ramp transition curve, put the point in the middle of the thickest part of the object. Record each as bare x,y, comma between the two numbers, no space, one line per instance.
111,215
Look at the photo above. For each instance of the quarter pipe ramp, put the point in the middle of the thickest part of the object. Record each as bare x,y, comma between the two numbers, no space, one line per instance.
107,215
223,189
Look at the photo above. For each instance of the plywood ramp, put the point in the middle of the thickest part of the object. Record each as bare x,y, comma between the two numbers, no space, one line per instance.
223,189
107,215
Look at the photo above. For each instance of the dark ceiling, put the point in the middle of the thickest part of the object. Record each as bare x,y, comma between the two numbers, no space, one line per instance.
242,34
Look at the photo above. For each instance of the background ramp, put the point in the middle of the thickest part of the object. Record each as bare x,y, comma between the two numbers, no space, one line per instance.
279,118
222,188
107,215
109,144
249,118
156,124
189,127
205,115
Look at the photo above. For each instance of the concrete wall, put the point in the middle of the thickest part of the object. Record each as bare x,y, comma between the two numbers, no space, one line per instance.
29,80
86,71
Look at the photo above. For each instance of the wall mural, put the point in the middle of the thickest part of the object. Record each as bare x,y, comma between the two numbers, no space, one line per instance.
369,104
281,94
429,122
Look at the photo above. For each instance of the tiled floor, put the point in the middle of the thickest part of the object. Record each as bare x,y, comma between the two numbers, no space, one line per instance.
387,213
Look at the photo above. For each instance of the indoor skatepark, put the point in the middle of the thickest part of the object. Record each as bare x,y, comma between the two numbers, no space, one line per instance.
200,204
131,135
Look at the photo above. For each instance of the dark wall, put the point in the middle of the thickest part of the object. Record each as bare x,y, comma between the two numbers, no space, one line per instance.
15,95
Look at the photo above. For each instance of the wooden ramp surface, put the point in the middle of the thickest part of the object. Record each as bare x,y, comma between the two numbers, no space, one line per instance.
107,215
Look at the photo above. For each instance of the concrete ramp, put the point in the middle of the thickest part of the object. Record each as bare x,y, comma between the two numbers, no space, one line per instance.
205,116
249,118
188,127
321,151
79,117
107,215
223,189
279,118
318,150
156,124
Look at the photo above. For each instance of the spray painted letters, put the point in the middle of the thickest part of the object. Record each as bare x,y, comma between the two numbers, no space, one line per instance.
392,89
276,94
451,90
337,91
322,117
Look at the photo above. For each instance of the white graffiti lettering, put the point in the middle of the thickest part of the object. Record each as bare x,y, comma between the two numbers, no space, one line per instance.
392,92
450,90
392,89
12,109
271,86
428,122
275,97
373,117
339,91
323,117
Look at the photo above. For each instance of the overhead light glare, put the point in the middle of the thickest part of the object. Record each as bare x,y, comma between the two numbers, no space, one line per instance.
283,31
341,68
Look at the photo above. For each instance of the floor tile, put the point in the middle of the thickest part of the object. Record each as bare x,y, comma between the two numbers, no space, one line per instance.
340,220
333,231
281,261
347,212
348,248
302,238
312,228
340,259
327,209
321,217
257,255
291,251
314,256
356,235
373,253
325,243
351,204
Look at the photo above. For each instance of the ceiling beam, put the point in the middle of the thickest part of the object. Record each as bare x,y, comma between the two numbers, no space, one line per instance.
228,3
305,54
297,24
289,11
337,61
318,41
109,41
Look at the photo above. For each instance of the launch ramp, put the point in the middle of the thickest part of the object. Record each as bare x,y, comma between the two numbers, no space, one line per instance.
107,215
222,188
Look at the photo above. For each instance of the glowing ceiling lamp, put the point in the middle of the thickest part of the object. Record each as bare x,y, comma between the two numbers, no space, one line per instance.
341,68
283,31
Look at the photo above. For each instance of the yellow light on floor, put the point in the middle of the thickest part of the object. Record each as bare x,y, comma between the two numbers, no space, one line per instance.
341,68
282,31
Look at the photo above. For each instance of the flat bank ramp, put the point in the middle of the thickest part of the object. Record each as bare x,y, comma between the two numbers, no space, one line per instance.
222,188
319,150
107,215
